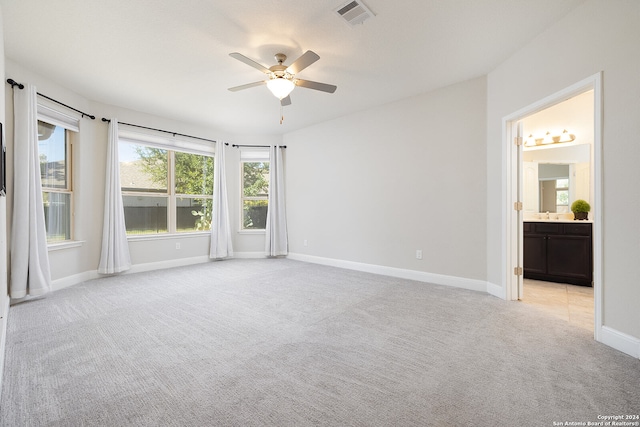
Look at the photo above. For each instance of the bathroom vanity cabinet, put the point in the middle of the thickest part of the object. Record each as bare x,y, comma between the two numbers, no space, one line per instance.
559,252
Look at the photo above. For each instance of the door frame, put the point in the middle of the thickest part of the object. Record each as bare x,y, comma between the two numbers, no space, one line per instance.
512,189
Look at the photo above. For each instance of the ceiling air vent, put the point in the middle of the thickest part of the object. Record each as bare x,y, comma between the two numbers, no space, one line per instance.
354,12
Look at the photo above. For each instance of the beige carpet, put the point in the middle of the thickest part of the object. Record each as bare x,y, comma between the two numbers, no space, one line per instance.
285,343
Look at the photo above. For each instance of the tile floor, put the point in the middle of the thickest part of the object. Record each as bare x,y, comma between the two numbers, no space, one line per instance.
569,302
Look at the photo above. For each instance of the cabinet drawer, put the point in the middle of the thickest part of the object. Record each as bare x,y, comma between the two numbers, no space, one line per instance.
545,228
578,229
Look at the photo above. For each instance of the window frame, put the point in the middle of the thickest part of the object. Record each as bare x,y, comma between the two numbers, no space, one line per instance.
70,126
171,146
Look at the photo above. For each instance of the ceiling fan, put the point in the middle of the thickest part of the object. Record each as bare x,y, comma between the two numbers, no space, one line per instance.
282,78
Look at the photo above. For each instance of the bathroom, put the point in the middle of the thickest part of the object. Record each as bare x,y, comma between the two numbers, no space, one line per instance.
557,169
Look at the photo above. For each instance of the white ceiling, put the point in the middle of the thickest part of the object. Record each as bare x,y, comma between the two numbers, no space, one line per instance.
171,57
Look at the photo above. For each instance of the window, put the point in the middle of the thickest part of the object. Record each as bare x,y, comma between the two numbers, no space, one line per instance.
55,176
255,189
165,191
562,192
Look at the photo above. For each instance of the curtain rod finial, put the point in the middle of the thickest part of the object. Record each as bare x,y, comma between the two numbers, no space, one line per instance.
15,83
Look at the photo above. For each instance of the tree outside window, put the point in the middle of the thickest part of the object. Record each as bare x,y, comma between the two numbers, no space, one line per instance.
165,191
255,194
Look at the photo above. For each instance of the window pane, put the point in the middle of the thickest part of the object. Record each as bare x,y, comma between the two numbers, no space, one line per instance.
57,216
254,214
255,179
562,197
143,168
193,214
194,174
52,149
145,214
562,183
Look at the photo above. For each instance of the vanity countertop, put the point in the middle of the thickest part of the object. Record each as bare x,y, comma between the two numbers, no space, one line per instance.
573,221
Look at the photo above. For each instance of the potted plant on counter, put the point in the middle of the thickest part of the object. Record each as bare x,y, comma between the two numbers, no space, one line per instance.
580,209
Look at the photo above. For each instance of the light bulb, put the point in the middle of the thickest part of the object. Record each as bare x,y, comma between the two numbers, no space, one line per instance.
280,87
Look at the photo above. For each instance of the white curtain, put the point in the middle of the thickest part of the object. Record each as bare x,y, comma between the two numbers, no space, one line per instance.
115,256
221,245
30,274
276,243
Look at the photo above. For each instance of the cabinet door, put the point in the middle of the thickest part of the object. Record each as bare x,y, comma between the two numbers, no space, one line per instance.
535,253
569,256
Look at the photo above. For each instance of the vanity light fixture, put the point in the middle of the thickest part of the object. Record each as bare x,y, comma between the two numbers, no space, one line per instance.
566,136
549,138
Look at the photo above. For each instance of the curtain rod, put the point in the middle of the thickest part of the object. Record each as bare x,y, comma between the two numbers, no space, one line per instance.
256,146
165,131
14,83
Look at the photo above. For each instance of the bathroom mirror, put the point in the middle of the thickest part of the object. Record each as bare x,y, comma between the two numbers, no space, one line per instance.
553,178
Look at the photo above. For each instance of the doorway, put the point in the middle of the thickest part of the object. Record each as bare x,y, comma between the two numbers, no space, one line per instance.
520,206
557,251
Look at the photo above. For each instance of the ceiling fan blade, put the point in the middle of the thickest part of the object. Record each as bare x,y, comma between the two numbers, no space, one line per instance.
315,85
285,101
247,86
303,62
240,57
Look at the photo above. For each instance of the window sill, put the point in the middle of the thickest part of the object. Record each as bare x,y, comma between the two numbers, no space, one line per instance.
65,245
262,231
167,236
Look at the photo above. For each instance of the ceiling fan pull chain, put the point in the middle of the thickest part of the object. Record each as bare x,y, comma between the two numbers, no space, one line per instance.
281,114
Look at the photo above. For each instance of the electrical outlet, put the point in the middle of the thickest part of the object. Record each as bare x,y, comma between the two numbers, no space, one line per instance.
418,253
305,242
177,245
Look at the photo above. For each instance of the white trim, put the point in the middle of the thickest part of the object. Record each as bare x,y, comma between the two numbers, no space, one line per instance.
596,171
55,117
594,83
172,143
420,276
3,340
252,231
620,341
496,290
65,245
249,255
170,263
75,279
166,236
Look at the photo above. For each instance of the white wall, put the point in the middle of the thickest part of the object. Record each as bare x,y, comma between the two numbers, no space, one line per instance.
575,115
597,36
90,147
373,187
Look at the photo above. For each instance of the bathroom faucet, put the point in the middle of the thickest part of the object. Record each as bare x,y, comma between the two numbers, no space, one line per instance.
547,214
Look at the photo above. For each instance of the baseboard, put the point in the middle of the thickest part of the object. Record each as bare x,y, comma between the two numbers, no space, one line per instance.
496,291
171,263
620,341
65,282
249,255
75,279
420,276
3,340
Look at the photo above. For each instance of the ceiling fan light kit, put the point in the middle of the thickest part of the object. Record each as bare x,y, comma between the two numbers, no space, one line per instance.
282,78
280,87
